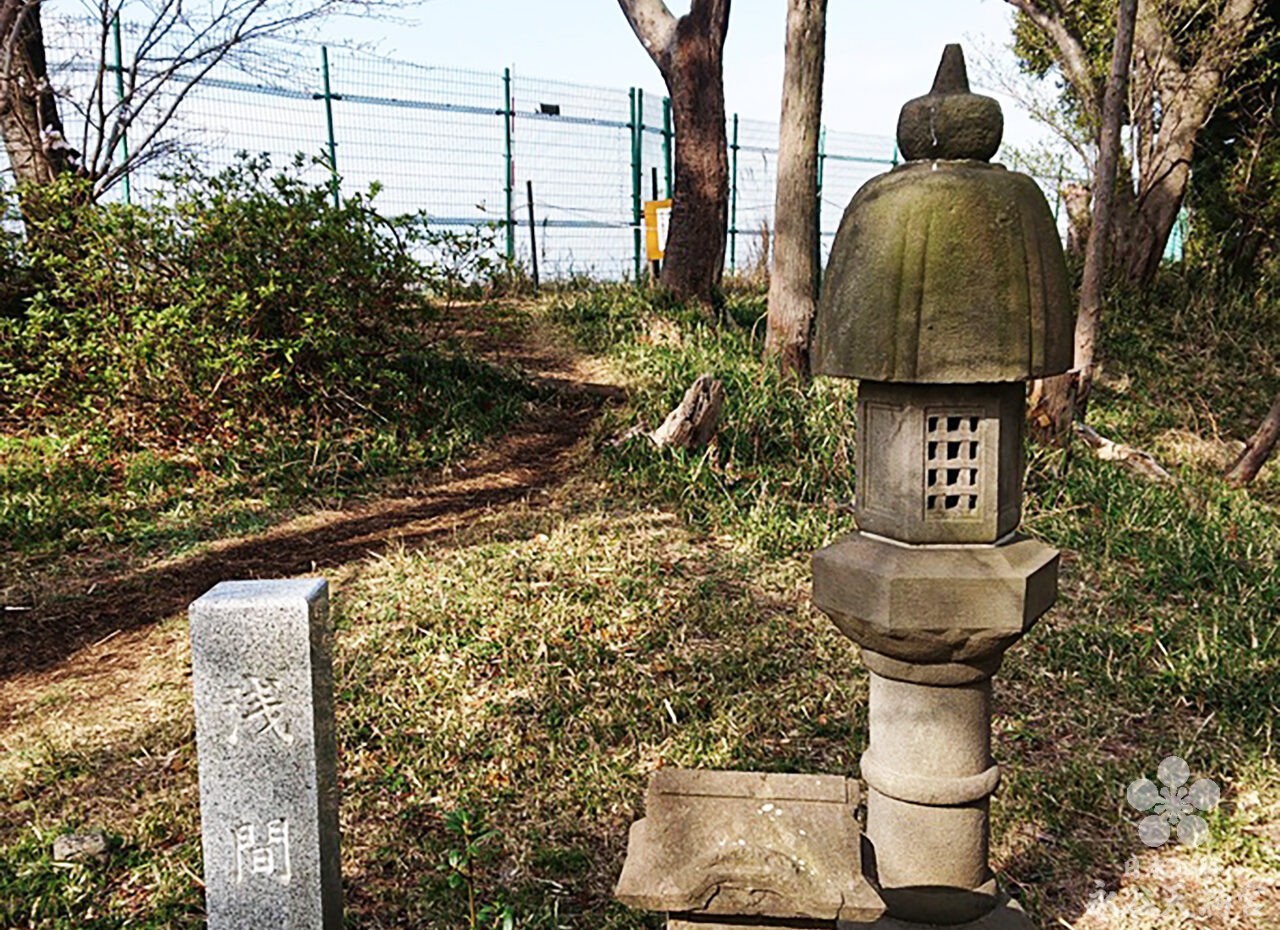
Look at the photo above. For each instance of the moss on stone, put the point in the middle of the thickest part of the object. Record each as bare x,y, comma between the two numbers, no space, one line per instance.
946,271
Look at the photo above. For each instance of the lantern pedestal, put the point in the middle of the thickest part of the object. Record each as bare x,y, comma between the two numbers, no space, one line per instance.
1006,915
934,622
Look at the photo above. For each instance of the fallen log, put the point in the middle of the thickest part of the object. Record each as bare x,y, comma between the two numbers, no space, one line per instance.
693,422
1142,463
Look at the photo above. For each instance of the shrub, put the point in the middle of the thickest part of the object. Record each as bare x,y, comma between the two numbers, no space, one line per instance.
240,345
233,297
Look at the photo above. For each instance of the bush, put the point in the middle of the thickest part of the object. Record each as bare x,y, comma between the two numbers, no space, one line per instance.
242,344
234,297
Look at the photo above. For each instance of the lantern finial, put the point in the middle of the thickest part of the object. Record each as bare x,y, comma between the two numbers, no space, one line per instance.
950,121
952,77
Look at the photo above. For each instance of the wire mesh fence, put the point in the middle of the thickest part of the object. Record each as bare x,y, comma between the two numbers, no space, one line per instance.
568,163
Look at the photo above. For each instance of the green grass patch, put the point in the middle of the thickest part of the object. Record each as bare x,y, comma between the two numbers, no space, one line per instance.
540,679
68,484
781,472
1164,639
137,880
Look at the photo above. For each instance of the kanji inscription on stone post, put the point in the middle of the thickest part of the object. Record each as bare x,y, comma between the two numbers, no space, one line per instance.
262,673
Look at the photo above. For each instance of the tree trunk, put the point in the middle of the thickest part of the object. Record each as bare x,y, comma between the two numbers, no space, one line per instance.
1258,449
1182,57
793,280
1075,199
689,54
1114,102
693,262
1051,408
29,120
1164,187
1057,401
1174,96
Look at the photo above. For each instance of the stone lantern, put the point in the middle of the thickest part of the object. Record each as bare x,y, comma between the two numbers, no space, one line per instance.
945,291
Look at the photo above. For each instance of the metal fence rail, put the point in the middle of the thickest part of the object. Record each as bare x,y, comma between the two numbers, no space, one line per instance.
462,146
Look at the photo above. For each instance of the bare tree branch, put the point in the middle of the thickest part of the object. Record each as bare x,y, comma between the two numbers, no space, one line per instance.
1072,58
176,47
1258,449
1233,26
1104,186
97,92
1038,100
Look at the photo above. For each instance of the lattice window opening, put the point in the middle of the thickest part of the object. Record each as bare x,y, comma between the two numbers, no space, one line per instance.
952,448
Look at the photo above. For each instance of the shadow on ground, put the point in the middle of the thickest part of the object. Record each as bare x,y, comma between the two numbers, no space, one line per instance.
536,456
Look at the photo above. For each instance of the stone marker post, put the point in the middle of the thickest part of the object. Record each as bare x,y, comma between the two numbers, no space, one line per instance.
263,680
946,289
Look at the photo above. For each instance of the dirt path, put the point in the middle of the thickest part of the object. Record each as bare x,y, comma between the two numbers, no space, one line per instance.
63,637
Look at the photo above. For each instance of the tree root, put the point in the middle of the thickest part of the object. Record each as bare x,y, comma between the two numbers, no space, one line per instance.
1136,460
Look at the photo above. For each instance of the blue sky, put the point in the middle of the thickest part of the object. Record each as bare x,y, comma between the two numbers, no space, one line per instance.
878,54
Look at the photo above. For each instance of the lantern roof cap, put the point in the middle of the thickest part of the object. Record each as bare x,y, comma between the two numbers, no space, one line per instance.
946,269
950,121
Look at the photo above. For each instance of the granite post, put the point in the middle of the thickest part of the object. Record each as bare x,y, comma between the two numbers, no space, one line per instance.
945,291
261,657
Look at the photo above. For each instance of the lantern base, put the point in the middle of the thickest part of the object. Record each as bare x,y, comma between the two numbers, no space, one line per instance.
1008,915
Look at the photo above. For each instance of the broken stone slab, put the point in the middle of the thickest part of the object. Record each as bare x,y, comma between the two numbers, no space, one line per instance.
748,844
89,846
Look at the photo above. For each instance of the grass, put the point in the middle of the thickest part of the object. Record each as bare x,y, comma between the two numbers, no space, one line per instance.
616,644
781,472
72,485
534,667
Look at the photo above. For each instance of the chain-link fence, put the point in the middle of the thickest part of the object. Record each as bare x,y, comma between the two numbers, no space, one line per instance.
571,163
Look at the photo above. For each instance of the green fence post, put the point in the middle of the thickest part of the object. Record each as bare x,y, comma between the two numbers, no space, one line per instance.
637,171
328,115
733,200
817,207
508,117
893,160
667,136
124,136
